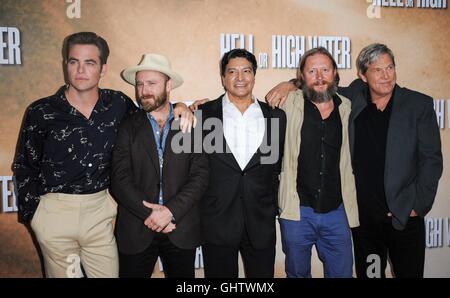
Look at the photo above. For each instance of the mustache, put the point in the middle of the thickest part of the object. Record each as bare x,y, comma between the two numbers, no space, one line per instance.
147,97
322,82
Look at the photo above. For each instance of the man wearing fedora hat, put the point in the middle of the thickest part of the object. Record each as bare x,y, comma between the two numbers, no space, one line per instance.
157,189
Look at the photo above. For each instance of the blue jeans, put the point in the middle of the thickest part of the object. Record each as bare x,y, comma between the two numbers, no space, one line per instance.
331,235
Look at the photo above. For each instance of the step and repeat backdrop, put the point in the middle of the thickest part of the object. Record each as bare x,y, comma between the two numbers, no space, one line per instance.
194,34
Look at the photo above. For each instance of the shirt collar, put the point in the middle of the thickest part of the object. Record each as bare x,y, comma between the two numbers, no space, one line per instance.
169,118
104,101
337,100
371,104
227,102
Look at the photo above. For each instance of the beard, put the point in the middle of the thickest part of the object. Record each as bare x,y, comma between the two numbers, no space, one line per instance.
149,105
317,96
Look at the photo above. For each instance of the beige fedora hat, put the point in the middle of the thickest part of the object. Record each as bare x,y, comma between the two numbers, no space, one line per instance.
154,62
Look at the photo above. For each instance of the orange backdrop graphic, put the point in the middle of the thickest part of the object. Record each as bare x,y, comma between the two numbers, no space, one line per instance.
188,32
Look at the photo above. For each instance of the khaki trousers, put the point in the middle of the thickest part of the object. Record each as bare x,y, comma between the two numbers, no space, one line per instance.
74,229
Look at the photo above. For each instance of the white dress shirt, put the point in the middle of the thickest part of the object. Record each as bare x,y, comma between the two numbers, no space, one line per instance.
243,133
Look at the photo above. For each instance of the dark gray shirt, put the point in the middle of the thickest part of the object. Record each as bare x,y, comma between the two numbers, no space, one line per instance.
371,128
318,175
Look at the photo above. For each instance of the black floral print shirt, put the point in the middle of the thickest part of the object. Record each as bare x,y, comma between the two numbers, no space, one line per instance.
59,150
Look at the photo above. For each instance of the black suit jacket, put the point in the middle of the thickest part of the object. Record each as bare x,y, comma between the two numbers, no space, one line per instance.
135,177
413,162
238,198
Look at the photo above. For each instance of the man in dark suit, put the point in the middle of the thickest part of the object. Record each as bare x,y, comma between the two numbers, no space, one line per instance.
397,161
239,207
158,190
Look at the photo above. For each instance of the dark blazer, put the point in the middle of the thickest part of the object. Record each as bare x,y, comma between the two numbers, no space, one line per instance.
413,162
238,198
135,177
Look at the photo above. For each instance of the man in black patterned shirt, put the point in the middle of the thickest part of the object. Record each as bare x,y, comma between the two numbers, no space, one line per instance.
62,165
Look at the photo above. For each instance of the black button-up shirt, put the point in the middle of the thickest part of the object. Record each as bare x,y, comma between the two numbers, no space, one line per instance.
318,175
371,128
59,150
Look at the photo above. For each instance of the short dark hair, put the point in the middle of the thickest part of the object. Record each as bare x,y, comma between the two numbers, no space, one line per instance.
237,53
306,55
88,38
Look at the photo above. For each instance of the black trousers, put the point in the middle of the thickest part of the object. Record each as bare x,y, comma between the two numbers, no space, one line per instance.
405,249
222,261
177,262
